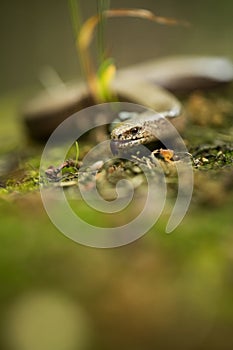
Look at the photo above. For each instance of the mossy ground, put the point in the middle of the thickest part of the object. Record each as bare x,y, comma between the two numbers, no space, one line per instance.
178,284
208,136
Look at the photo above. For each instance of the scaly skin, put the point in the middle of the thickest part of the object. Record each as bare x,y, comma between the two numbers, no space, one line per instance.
142,128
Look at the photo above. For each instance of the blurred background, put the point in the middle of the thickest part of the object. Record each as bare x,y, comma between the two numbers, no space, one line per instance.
162,291
35,34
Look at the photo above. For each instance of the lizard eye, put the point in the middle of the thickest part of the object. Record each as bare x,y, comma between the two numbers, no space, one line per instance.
134,130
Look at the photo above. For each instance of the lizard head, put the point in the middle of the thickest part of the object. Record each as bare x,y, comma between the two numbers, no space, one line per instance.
127,135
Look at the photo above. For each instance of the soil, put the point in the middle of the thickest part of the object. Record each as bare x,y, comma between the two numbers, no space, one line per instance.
208,136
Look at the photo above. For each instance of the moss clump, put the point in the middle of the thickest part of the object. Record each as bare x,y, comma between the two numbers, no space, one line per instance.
213,157
28,182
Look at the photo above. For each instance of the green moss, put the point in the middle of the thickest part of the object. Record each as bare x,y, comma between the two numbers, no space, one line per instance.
28,182
213,157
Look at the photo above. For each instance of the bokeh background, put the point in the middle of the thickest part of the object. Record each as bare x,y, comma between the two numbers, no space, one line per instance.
163,291
34,34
